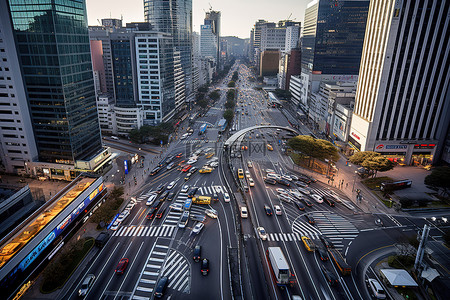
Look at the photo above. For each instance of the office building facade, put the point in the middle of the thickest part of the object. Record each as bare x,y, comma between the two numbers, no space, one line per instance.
403,97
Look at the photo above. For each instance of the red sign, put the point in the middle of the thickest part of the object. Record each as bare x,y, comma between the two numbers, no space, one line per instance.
355,135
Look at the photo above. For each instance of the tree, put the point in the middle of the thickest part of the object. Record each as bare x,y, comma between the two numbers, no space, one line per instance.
439,178
372,161
229,104
135,136
214,95
228,115
314,148
231,84
203,103
231,94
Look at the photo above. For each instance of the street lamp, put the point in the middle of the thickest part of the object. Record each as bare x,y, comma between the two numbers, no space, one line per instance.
354,181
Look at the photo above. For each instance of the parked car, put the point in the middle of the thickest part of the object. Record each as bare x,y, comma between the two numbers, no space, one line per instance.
122,265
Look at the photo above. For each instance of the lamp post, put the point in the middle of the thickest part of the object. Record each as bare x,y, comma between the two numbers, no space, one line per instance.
354,181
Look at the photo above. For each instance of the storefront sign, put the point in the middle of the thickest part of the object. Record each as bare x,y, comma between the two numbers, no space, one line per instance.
356,136
391,147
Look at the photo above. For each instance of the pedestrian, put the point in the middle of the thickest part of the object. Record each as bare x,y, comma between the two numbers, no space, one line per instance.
346,185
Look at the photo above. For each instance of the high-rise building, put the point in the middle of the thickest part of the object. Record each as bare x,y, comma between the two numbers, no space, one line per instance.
212,18
59,88
208,42
174,17
403,96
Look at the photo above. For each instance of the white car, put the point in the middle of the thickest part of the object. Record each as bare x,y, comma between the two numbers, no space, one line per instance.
198,227
151,199
250,164
226,197
184,136
294,177
285,198
287,177
273,176
191,161
277,209
262,233
171,185
244,212
214,164
212,213
247,174
377,289
130,205
251,182
270,171
176,207
115,225
303,191
317,198
123,215
184,189
281,191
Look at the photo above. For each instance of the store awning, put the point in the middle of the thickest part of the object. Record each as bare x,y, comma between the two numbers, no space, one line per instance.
398,277
430,274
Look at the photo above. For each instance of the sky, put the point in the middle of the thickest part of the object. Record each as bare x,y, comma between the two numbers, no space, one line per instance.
238,16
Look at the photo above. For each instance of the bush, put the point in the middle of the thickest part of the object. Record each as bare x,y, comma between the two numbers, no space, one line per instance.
231,84
109,209
406,202
401,261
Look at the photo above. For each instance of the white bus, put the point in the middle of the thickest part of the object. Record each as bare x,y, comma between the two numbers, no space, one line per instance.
279,265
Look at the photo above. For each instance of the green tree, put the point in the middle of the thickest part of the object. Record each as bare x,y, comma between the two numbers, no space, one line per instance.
229,104
231,94
228,115
313,148
439,178
135,136
203,103
231,84
214,95
372,161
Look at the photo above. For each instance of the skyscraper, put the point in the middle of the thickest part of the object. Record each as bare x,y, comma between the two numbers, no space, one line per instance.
403,96
208,43
53,50
212,18
174,17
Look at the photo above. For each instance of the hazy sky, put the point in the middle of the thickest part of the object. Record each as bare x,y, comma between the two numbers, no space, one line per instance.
238,16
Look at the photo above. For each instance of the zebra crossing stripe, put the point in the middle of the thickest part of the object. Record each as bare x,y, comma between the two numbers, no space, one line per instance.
179,275
138,233
144,289
299,238
184,282
145,231
132,231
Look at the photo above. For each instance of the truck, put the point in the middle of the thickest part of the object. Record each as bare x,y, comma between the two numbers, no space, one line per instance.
222,125
202,129
279,266
102,239
340,262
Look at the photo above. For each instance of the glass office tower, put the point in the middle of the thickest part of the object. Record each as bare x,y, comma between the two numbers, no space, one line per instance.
333,36
53,47
123,71
174,17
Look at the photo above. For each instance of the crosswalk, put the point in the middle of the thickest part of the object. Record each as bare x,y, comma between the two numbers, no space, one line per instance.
284,237
305,229
174,216
161,231
163,261
335,227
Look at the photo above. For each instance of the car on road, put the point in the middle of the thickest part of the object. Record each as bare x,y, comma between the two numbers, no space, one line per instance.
317,198
176,207
244,212
303,191
310,219
86,285
184,219
198,227
277,209
205,170
196,255
161,286
184,136
186,168
150,199
198,218
212,213
286,177
214,164
268,210
164,196
185,188
160,213
251,182
151,212
160,188
123,215
192,191
301,184
240,173
170,185
328,200
262,233
326,242
170,196
285,198
191,161
179,155
309,244
226,197
188,176
304,179
205,267
329,276
299,205
122,265
270,181
249,164
293,177
247,174
323,254
115,226
273,176
281,191
284,182
170,166
376,289
155,170
193,170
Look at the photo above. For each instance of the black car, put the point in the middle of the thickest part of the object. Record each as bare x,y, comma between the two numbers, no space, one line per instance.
284,182
170,196
299,205
268,210
205,267
328,200
310,219
161,286
151,212
301,184
160,188
326,242
304,179
329,276
323,254
164,195
160,213
197,253
270,181
215,197
155,170
307,202
192,191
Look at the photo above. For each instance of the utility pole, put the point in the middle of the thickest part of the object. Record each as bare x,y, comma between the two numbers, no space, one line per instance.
421,250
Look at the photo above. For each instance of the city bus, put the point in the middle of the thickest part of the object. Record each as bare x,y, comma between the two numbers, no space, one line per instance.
340,262
396,185
279,266
201,200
